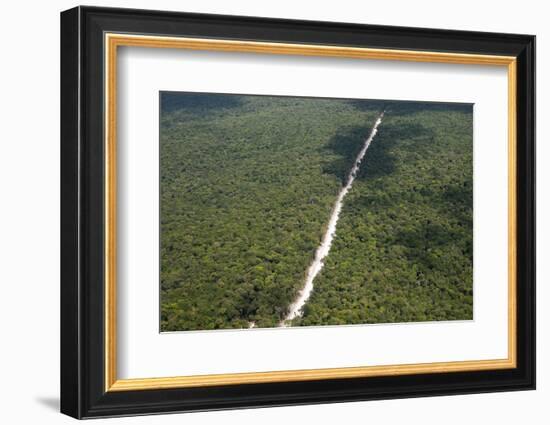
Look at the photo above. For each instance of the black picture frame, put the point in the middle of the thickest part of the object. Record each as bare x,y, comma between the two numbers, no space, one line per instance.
83,392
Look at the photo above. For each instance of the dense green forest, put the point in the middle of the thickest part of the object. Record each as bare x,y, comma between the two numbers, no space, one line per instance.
403,247
247,184
247,187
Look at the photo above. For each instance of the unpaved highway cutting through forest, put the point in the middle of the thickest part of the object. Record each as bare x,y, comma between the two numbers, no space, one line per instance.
324,248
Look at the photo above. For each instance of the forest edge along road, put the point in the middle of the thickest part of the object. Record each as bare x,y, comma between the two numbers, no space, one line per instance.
326,242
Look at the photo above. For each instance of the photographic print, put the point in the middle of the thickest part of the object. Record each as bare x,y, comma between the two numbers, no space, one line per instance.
290,211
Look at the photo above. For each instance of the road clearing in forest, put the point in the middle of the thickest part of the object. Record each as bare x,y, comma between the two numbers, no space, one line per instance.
324,248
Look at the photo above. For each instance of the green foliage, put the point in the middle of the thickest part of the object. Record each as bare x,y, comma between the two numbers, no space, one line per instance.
247,185
403,246
247,188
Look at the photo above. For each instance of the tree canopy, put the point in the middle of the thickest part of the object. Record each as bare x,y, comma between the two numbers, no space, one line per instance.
247,185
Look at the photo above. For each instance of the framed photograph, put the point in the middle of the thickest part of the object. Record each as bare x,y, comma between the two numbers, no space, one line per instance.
261,212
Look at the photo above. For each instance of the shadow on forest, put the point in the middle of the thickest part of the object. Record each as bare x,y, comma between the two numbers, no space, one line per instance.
199,103
409,107
379,159
369,105
427,236
345,144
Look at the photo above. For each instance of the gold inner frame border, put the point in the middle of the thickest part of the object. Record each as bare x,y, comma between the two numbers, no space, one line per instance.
111,43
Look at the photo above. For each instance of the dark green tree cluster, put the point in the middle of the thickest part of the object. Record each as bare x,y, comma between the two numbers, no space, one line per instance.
247,185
